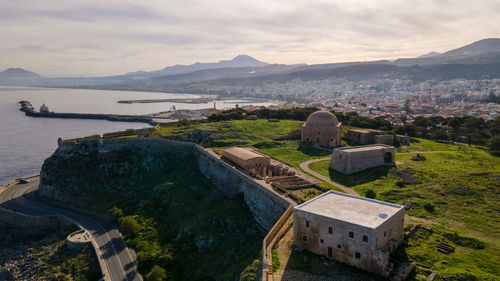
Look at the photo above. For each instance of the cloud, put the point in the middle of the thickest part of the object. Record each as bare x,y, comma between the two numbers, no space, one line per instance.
91,37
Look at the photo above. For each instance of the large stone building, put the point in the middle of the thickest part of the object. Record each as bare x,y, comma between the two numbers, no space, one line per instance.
322,127
255,163
348,160
369,136
354,230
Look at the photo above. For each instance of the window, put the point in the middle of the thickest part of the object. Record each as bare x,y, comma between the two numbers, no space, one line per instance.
365,238
321,241
340,156
339,246
304,238
307,223
385,233
330,252
330,229
358,255
351,234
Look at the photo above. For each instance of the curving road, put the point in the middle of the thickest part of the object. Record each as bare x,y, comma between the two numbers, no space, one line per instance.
115,258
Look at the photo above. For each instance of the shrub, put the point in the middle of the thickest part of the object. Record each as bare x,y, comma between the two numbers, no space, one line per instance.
116,212
250,272
370,194
128,225
400,184
494,144
157,273
275,257
429,207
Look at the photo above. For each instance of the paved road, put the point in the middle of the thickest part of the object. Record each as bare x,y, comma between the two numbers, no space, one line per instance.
116,256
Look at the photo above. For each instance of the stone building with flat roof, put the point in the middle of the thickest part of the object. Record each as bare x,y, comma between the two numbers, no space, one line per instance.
369,136
349,160
322,127
354,230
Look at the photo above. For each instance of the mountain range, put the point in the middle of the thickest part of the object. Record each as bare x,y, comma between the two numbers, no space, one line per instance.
479,60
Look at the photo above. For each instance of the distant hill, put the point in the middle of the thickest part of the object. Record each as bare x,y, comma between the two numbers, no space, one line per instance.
18,73
236,62
480,47
469,54
428,55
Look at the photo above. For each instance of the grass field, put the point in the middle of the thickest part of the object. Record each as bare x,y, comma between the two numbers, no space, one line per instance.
455,192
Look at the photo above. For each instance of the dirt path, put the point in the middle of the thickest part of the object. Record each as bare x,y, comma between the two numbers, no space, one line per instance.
305,167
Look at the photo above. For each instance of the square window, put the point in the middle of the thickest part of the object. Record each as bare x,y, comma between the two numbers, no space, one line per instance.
307,223
358,255
365,238
304,238
351,234
339,246
321,241
330,229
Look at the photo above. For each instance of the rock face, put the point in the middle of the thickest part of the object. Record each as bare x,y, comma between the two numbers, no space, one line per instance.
109,166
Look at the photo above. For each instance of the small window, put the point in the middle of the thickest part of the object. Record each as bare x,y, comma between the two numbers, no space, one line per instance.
330,229
339,246
351,234
358,255
307,223
321,241
385,233
304,238
340,156
365,238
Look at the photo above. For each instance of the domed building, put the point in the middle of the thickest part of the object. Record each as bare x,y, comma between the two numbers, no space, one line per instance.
322,127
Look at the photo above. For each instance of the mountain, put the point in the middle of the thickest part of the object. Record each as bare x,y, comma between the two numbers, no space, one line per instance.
428,55
236,62
480,47
18,73
477,52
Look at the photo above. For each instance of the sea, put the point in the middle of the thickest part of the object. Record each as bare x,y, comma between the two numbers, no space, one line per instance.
25,142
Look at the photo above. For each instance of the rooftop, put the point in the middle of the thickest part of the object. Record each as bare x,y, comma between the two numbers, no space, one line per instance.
350,208
364,147
243,153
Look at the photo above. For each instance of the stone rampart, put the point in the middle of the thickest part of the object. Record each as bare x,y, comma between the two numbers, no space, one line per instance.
266,205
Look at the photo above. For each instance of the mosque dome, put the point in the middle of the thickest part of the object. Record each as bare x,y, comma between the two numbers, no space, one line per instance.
322,118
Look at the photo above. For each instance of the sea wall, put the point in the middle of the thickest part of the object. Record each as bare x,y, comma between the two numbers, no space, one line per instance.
266,205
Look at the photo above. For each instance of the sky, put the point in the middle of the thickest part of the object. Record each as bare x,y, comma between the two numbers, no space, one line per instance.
60,38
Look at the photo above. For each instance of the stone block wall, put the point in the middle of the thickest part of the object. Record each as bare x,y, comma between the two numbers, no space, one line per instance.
266,205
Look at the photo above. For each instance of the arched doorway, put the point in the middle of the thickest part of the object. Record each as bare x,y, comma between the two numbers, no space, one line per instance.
387,157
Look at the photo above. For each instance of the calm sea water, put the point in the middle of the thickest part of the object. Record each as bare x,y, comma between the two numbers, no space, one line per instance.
25,142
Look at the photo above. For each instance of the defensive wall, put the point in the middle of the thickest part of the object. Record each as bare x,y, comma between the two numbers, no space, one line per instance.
266,205
31,223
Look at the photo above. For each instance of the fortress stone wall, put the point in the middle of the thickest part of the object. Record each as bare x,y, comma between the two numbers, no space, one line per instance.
266,205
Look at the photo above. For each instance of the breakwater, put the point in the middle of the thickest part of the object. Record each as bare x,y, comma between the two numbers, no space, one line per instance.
28,109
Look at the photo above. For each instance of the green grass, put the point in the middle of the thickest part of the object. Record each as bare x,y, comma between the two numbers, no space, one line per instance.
463,188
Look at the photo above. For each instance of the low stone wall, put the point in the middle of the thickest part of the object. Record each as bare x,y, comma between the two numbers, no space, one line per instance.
31,223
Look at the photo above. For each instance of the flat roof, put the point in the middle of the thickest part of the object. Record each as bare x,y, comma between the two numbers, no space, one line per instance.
365,131
364,147
350,208
243,153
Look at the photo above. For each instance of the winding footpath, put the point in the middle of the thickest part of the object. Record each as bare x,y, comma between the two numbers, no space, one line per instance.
115,259
305,167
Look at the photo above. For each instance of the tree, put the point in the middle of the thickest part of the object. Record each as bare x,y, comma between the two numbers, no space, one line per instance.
370,194
494,144
128,225
472,127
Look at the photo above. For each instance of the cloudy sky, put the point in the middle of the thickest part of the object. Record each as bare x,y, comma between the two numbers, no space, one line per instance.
100,37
